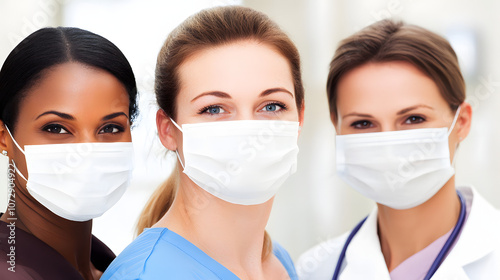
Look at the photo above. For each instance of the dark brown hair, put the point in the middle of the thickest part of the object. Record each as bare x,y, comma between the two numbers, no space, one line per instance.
389,40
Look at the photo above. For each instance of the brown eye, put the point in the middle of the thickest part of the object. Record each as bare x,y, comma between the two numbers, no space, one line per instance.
414,120
112,128
55,129
363,124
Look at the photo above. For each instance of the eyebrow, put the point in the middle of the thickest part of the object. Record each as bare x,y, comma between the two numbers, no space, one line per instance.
213,93
401,112
71,118
59,114
114,115
222,94
273,90
406,110
357,115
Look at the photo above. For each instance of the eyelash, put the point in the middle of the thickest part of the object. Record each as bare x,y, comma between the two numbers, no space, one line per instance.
354,124
118,127
420,119
205,110
282,105
53,126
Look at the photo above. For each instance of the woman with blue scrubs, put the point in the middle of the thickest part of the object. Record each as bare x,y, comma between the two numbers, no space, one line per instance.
396,99
229,89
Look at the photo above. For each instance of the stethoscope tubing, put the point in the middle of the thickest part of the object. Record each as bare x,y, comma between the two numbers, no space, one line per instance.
440,257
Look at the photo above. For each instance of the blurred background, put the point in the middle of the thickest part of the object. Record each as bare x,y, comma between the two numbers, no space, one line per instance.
314,204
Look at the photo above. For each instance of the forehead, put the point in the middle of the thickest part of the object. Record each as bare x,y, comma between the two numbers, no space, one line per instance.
75,88
245,66
388,85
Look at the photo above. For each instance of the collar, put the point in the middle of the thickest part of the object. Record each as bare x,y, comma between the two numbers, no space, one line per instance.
479,236
364,257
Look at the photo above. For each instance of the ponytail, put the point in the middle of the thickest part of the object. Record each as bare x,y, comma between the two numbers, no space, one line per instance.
159,202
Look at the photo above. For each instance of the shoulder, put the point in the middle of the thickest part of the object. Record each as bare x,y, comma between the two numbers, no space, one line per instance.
157,251
285,259
319,262
130,264
23,256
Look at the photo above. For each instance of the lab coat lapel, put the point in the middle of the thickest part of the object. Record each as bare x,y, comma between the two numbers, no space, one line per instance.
480,236
364,259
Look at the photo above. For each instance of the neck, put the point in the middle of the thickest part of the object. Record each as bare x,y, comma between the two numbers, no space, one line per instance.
70,239
214,225
406,232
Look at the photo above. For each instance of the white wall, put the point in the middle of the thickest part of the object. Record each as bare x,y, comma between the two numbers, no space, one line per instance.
314,204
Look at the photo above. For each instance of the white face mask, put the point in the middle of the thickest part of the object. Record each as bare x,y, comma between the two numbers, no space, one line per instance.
242,162
399,169
78,181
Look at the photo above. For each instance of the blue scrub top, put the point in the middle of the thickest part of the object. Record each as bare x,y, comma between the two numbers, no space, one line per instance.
159,253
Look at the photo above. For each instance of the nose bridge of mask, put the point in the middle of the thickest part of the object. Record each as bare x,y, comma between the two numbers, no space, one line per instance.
20,149
177,152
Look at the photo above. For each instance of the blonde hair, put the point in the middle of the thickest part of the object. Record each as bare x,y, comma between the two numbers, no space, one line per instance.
209,28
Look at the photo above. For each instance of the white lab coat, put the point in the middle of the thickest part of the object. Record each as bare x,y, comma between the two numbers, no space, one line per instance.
476,255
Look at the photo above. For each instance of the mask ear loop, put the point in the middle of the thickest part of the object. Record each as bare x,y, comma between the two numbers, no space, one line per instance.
176,152
449,132
22,151
454,121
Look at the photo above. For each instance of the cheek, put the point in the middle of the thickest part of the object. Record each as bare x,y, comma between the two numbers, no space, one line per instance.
453,145
127,136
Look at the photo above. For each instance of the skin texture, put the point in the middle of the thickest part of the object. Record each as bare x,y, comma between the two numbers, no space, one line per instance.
390,96
87,96
234,80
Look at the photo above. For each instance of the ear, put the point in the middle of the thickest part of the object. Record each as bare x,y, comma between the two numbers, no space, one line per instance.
4,135
166,130
464,121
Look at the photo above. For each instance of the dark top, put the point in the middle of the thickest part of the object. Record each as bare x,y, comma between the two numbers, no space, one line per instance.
31,258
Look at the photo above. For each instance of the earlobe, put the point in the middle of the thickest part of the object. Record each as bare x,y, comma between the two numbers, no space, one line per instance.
3,137
301,116
166,130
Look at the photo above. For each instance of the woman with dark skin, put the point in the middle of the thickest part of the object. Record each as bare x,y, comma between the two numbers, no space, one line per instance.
62,86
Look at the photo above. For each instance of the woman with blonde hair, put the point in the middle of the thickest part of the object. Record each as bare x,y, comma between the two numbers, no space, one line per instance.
229,88
397,101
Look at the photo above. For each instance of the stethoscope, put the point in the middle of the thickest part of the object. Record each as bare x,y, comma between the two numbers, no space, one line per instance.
440,257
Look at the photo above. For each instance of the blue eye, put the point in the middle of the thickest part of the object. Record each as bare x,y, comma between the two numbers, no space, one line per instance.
271,107
112,128
55,129
212,110
274,107
363,124
215,110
